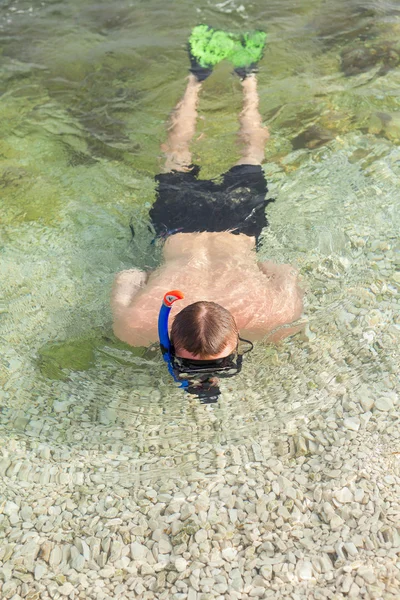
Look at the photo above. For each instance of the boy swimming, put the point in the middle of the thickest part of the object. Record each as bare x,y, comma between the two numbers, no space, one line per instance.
212,230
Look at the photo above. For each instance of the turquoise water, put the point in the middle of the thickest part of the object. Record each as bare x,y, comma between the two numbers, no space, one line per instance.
87,89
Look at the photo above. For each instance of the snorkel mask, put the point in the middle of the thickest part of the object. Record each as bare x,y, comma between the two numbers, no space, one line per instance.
197,377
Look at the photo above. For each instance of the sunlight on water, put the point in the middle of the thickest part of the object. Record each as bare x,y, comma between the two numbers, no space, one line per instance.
86,92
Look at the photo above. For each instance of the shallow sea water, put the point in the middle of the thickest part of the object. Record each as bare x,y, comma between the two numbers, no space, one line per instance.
87,88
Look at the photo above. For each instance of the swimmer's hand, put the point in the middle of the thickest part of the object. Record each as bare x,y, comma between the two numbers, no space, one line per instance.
286,295
277,272
127,322
126,284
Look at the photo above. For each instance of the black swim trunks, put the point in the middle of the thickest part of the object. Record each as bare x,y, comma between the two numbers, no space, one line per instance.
186,204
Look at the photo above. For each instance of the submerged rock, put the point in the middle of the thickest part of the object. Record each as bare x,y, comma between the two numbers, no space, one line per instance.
336,25
385,124
76,355
312,137
364,58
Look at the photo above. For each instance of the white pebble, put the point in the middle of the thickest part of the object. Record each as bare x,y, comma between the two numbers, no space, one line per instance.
164,546
138,551
60,406
180,564
187,511
40,570
336,522
55,556
351,548
201,536
10,508
229,553
367,573
304,570
343,496
384,404
352,423
78,562
66,589
367,403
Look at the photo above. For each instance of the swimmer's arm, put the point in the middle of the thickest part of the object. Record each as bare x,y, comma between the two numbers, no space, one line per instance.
274,271
286,297
128,323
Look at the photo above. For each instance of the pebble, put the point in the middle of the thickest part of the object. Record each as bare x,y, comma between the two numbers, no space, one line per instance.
367,573
229,554
336,522
180,564
201,535
187,511
384,404
78,562
138,551
66,589
26,513
364,418
352,423
61,406
55,556
40,571
164,546
10,508
304,570
343,496
351,548
354,591
347,583
367,403
192,594
45,550
9,588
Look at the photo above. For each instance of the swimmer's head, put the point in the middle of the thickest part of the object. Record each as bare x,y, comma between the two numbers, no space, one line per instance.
204,331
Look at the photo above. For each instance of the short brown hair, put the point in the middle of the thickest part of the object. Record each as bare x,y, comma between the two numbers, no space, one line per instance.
203,328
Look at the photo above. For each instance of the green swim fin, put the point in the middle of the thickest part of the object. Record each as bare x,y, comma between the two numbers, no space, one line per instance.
207,47
247,52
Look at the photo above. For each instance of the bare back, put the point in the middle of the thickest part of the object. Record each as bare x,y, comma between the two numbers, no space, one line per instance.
218,267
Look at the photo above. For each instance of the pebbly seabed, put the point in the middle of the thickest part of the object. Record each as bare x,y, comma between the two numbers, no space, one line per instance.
310,513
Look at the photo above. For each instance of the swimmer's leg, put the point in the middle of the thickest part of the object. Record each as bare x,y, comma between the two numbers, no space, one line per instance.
253,134
182,129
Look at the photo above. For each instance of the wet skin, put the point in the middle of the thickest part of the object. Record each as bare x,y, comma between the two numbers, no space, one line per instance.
217,267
